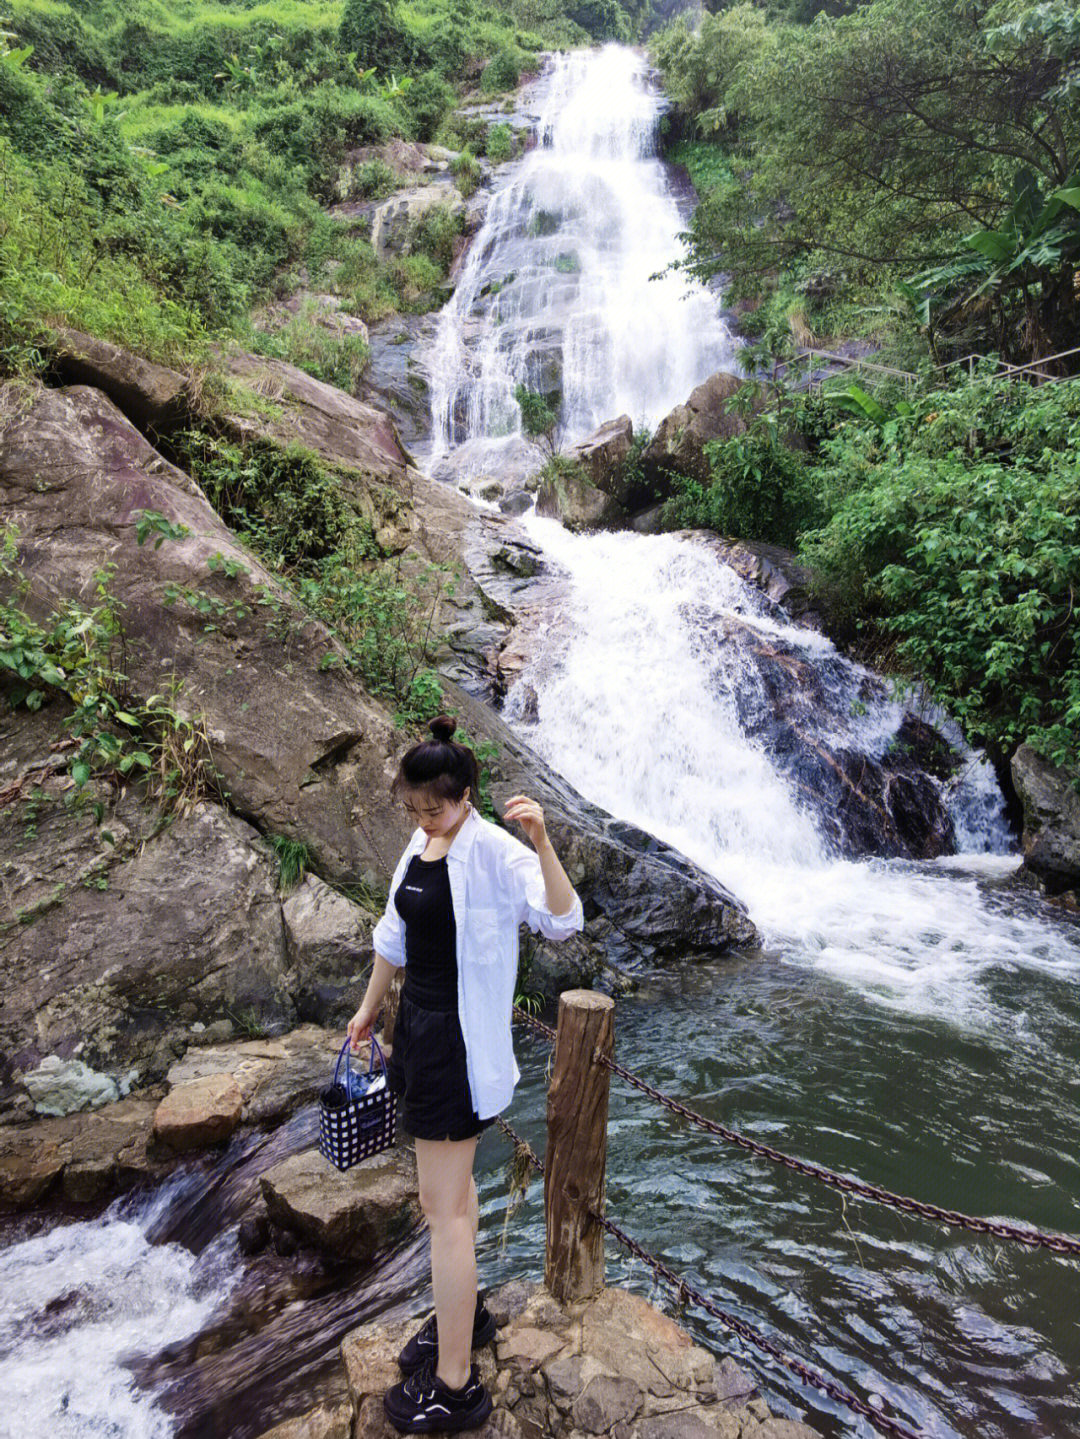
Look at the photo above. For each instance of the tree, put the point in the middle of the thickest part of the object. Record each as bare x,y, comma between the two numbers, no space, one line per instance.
874,140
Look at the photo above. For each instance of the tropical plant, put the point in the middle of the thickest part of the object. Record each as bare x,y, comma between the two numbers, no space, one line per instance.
1023,270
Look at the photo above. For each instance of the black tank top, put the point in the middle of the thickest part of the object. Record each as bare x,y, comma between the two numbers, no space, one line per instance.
424,902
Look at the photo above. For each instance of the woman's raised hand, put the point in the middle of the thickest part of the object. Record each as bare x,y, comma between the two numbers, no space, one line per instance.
529,815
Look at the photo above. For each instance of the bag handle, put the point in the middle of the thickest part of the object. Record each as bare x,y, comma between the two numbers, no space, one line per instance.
346,1055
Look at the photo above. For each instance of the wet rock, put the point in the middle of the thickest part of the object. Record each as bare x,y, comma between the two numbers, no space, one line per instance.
62,1086
774,570
351,1214
603,454
649,521
88,1153
1051,805
198,1113
285,1245
569,495
396,378
253,1233
516,504
325,1421
276,1075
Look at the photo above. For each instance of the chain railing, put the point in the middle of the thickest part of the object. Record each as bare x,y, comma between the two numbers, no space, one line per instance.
688,1295
1026,1235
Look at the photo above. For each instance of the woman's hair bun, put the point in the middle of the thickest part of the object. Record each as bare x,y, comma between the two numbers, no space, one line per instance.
443,727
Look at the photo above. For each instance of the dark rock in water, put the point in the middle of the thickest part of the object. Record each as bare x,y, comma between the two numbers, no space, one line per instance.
771,568
517,503
284,1242
1051,804
253,1234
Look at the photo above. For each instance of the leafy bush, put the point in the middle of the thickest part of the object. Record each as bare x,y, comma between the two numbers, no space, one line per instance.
955,535
375,179
499,144
290,508
428,101
466,172
502,71
758,490
434,233
372,30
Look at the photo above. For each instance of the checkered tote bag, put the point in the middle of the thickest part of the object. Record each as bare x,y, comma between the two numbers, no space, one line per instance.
358,1118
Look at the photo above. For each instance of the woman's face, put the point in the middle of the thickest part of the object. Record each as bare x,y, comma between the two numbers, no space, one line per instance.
435,815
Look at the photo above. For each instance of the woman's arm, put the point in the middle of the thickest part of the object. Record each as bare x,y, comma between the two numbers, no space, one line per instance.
359,1027
558,891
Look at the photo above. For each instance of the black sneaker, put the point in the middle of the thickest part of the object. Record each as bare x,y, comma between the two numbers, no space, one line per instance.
422,1403
424,1344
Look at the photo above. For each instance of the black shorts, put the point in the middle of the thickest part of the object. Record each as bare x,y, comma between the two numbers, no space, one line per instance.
427,1072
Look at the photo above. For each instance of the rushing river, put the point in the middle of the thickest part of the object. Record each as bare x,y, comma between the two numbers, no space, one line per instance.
917,1024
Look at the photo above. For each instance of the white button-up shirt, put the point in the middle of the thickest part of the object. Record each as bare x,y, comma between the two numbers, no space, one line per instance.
496,884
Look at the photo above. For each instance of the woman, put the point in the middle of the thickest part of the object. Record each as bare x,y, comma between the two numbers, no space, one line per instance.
458,895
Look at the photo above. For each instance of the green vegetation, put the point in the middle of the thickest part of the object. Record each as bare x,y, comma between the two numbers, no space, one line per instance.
907,168
79,654
302,520
165,170
906,171
294,860
539,416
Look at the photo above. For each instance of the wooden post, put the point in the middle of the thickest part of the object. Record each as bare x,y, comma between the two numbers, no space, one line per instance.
576,1162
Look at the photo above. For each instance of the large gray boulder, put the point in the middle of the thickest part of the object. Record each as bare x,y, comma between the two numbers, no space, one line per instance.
680,438
590,489
181,927
1051,806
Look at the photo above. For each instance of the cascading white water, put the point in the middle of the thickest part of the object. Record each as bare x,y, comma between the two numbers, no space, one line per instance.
637,711
75,1302
557,291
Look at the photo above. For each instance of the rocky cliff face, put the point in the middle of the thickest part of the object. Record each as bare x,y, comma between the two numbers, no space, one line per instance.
122,927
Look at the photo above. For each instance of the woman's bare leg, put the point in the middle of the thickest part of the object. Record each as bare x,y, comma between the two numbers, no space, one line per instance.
448,1199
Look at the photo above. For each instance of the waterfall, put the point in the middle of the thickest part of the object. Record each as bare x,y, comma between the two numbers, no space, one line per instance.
79,1302
558,290
647,706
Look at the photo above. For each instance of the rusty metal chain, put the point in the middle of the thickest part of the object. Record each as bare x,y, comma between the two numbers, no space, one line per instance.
1016,1233
531,1022
689,1295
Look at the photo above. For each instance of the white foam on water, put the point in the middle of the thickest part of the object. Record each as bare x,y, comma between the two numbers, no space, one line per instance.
636,707
76,1301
